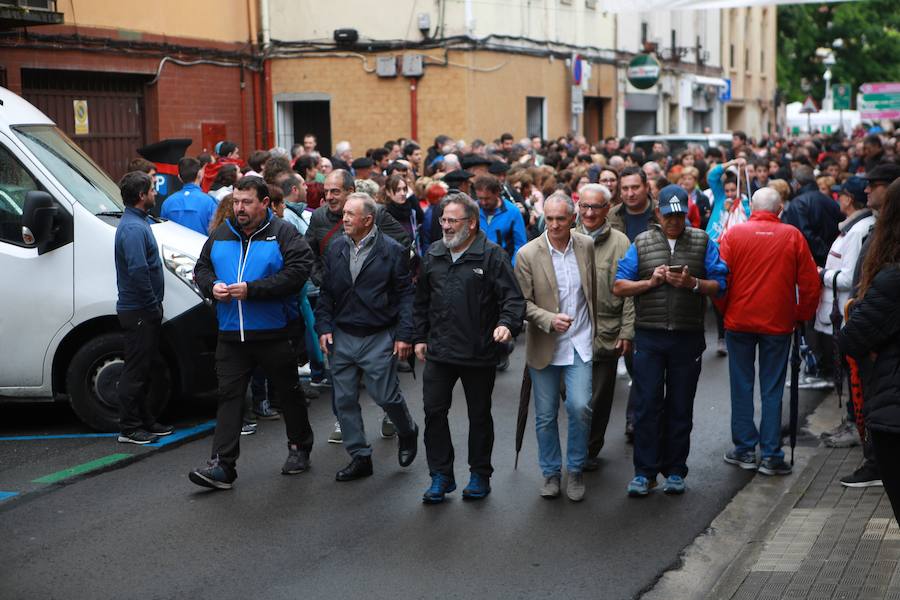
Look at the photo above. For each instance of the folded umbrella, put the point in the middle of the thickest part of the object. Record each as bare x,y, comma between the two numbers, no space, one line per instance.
522,419
837,319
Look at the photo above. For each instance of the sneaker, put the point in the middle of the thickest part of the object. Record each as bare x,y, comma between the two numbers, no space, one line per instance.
846,436
640,486
138,436
550,489
336,437
216,475
309,393
721,348
320,382
304,371
248,428
297,460
440,486
388,429
575,487
479,487
160,429
810,382
591,464
867,475
746,460
674,485
265,411
774,466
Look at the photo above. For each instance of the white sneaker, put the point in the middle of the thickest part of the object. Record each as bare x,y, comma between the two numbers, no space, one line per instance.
304,371
336,436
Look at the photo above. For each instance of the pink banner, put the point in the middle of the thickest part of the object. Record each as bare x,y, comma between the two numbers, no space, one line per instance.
881,88
879,114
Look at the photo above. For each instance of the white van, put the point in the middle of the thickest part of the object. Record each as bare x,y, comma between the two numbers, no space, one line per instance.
61,339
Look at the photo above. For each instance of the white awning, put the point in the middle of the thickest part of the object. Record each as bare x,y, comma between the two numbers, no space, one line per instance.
716,81
625,6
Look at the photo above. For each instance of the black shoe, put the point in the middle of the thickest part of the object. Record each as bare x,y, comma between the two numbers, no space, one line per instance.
297,460
138,436
216,475
866,475
504,363
409,446
591,464
359,467
160,429
629,432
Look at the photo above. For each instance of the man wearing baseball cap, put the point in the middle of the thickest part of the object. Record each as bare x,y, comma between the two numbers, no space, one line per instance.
669,270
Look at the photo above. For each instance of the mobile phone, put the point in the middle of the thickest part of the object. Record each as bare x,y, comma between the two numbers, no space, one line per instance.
677,268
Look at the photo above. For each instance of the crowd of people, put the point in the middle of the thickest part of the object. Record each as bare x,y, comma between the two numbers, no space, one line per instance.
352,266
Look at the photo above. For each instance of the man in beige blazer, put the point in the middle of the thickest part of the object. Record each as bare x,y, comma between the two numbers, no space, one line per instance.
556,274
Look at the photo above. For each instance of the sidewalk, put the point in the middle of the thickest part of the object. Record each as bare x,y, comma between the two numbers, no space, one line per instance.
834,542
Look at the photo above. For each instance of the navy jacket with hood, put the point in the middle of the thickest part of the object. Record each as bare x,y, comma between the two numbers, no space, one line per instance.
275,261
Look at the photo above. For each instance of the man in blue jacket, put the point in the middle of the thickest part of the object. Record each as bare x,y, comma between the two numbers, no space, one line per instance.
500,219
253,266
190,206
364,321
139,279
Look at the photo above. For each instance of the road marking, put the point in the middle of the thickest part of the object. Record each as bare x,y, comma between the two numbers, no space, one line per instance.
82,468
62,436
182,433
7,495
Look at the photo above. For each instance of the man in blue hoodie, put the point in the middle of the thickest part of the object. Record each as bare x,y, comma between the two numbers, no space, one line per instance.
139,279
190,206
253,266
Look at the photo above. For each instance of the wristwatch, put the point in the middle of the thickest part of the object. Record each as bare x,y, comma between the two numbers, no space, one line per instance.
696,288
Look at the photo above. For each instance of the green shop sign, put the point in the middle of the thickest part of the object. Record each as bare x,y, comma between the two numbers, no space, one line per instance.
643,71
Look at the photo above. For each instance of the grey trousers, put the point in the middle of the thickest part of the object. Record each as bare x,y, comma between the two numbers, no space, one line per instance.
372,357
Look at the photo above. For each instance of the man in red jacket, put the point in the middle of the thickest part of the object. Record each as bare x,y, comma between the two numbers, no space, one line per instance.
770,267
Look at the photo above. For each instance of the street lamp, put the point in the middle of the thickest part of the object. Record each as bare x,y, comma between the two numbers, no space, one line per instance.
828,102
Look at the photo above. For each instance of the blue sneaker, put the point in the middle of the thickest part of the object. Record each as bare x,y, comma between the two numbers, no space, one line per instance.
746,460
674,485
479,487
640,486
440,485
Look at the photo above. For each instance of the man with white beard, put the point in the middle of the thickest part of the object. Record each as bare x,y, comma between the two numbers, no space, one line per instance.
468,304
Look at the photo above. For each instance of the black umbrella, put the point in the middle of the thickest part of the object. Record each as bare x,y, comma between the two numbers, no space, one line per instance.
837,318
795,391
522,419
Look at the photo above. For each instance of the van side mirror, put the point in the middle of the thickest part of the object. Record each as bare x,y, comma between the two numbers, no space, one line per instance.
37,218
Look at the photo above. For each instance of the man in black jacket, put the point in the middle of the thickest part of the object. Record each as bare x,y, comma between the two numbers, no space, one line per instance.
468,303
816,215
256,301
364,321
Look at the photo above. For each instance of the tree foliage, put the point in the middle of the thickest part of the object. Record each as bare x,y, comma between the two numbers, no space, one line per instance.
868,50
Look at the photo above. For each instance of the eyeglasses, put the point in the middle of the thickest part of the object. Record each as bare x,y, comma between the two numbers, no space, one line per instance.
589,207
451,221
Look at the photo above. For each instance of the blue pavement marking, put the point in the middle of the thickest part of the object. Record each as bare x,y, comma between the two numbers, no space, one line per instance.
182,433
7,495
64,436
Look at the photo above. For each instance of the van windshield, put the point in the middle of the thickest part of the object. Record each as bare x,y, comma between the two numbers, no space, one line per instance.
74,170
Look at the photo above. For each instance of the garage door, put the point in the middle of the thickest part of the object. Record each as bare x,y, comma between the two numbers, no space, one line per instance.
110,120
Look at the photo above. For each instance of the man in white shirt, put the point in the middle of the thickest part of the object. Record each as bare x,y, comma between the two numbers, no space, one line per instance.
556,274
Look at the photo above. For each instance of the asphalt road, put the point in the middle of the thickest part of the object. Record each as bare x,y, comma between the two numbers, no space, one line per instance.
145,531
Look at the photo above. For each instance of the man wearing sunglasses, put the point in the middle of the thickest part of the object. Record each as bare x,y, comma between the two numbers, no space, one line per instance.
614,316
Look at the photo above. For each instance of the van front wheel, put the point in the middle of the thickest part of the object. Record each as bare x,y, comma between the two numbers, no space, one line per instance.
92,378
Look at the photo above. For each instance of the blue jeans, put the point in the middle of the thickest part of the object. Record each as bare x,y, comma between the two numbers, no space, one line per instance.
545,387
666,369
773,362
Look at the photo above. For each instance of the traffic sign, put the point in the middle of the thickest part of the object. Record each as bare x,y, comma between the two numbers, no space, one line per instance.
809,106
880,101
842,93
577,100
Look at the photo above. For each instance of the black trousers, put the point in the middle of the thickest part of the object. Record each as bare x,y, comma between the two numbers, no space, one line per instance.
142,331
887,449
438,381
235,363
603,385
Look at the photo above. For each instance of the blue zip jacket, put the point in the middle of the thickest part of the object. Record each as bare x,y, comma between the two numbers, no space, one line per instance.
190,207
139,274
275,261
714,225
506,229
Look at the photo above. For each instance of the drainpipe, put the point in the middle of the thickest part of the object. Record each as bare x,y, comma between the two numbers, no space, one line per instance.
244,147
267,103
413,109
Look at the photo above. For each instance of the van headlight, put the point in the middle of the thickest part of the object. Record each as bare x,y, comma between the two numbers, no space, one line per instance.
182,266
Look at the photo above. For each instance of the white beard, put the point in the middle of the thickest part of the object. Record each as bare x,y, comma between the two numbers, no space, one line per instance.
455,241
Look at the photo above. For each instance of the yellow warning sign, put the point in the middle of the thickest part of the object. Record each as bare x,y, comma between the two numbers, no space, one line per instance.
82,127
